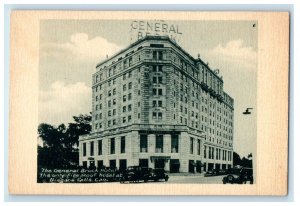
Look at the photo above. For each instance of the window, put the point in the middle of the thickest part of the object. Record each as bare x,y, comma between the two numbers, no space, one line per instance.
159,68
109,93
129,96
114,102
84,164
124,108
160,80
124,119
159,115
159,91
84,149
109,113
99,147
143,143
124,98
109,123
204,151
159,143
129,108
112,164
92,148
130,61
174,143
160,55
192,145
154,103
124,87
114,122
112,146
159,103
154,80
109,103
129,118
154,54
198,147
154,91
154,115
122,144
109,72
130,85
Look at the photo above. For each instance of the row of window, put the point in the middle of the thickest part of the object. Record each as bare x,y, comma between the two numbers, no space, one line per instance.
159,143
198,147
217,153
112,147
113,122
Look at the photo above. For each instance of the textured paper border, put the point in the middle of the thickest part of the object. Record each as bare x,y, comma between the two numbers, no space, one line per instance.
272,106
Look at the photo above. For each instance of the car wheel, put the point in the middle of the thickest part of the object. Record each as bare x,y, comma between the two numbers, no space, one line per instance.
230,179
167,178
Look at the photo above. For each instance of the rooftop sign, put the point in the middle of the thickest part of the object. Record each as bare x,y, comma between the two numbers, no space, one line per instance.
140,28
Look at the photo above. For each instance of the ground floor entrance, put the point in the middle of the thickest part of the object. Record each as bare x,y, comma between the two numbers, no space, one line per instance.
174,165
159,163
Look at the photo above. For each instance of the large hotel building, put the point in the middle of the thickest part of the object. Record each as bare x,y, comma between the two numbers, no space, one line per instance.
154,105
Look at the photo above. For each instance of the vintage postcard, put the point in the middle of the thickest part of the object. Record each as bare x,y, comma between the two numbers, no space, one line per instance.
148,103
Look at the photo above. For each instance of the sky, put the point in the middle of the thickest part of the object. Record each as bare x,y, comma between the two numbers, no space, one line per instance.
70,50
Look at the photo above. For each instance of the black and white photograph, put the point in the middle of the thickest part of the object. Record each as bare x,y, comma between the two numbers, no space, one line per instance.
147,101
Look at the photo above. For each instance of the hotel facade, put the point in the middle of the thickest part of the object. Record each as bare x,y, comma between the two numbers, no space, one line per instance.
154,105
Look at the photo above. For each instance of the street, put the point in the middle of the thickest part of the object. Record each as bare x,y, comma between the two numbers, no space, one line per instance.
196,179
190,179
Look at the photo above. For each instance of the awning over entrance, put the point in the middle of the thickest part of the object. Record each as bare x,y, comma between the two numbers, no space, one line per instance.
160,157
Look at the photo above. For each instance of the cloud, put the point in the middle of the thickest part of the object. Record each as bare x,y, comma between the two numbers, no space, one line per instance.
82,48
62,101
235,52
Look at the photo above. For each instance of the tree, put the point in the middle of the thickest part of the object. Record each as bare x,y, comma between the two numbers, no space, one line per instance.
51,136
236,159
80,127
244,162
59,142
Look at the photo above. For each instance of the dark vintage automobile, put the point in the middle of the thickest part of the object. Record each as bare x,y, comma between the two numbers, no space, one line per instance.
157,174
210,173
134,174
239,176
137,174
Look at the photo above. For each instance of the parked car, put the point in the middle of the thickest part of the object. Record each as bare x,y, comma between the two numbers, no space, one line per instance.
210,173
239,176
222,172
157,174
135,174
